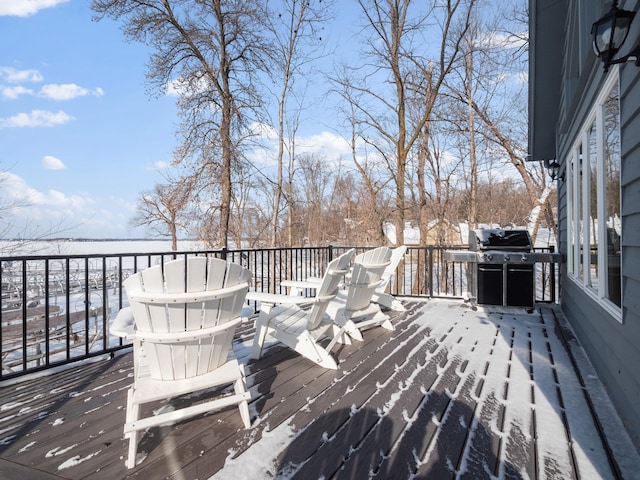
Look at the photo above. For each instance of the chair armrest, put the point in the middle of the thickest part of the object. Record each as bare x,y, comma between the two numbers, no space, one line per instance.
278,298
124,324
297,286
308,283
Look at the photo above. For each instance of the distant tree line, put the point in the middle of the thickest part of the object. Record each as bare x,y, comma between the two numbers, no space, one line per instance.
432,103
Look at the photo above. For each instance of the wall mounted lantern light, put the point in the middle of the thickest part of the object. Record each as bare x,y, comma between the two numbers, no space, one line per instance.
554,170
610,32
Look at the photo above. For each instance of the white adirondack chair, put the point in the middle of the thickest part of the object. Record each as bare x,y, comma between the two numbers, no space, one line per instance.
353,309
300,322
381,296
182,318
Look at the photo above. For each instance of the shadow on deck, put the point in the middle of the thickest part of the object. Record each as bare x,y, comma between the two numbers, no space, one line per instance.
451,393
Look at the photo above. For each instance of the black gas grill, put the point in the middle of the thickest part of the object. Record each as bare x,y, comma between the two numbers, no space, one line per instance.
504,266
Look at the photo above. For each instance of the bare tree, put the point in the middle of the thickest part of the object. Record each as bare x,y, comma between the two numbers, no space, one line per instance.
314,182
498,101
469,93
164,209
250,214
212,52
294,26
396,55
372,212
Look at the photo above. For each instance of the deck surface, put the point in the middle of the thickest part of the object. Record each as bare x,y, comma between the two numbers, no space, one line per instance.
453,392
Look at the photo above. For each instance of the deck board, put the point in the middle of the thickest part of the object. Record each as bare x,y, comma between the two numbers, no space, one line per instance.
452,392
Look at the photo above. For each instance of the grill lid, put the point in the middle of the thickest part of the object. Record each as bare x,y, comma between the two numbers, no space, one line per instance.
499,239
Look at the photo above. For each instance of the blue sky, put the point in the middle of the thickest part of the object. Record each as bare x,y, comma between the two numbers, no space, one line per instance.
80,137
80,134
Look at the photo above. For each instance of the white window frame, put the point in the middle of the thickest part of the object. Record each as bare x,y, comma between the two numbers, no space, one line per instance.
578,213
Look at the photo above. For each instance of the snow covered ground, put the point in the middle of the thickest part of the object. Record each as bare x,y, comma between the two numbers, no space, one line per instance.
523,382
491,392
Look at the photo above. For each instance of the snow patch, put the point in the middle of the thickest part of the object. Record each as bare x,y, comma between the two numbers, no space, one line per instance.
260,459
10,405
59,451
27,447
77,460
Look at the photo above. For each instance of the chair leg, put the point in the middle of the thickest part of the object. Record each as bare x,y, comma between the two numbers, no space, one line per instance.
307,347
325,360
262,325
389,301
240,386
133,411
353,331
388,325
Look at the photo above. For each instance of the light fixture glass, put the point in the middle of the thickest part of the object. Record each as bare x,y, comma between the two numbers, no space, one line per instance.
609,33
554,170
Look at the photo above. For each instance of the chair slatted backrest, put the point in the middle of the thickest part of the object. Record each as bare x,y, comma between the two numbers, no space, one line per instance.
397,254
366,276
197,296
333,277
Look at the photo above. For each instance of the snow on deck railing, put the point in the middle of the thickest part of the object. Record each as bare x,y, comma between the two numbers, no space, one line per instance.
57,309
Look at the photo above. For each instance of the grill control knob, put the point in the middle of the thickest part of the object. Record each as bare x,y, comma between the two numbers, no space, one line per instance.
489,256
506,258
524,258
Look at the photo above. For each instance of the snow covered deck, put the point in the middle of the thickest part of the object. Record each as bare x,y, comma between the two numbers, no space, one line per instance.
451,393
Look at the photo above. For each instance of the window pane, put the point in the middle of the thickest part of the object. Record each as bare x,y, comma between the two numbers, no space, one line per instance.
612,193
579,216
592,224
571,216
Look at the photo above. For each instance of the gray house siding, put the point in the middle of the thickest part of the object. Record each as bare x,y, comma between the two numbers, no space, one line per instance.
613,347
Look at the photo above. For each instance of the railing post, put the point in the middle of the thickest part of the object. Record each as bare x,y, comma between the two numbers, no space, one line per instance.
430,270
330,248
223,253
47,310
24,314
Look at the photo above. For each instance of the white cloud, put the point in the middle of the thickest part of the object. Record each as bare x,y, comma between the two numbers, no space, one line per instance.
13,93
325,143
67,91
32,213
37,118
264,130
11,75
26,8
179,87
17,189
160,165
502,40
173,88
52,163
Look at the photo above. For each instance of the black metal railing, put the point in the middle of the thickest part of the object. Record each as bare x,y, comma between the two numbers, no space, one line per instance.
57,309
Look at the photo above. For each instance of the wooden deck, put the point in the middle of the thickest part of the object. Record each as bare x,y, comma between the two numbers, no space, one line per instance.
453,392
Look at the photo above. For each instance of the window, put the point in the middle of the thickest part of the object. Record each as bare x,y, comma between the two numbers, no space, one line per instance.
593,201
